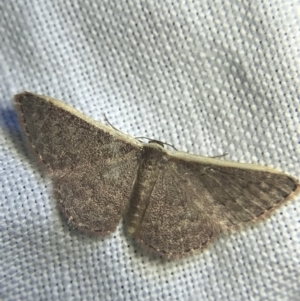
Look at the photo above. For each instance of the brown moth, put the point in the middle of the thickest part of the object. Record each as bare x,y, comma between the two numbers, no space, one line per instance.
176,203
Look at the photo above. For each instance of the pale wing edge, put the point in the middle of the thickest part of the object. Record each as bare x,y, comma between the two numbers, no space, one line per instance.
116,133
212,161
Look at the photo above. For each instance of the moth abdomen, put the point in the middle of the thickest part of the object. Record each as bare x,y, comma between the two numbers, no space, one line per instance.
153,162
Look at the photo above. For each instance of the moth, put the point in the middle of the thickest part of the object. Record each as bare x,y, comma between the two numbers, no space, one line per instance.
175,203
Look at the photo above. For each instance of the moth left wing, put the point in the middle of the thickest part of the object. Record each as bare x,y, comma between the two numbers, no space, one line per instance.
196,198
93,166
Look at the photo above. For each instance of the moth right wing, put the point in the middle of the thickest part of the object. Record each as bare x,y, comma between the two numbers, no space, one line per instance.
196,198
93,166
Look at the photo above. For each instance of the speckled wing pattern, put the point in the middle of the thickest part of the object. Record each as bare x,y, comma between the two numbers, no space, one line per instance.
92,165
205,197
178,203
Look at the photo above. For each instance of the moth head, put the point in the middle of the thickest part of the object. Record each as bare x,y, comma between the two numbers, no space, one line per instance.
161,144
157,142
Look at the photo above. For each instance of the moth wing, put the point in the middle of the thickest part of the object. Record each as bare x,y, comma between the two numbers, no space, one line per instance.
93,166
196,198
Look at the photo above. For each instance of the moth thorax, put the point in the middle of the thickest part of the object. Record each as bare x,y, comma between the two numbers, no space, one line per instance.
153,154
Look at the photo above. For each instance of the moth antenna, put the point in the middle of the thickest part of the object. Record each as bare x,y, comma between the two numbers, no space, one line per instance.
106,120
220,156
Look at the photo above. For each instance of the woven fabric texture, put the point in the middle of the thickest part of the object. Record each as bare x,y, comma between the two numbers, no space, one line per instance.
209,77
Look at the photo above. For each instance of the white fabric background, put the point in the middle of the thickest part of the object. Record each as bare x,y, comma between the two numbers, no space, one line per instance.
207,76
